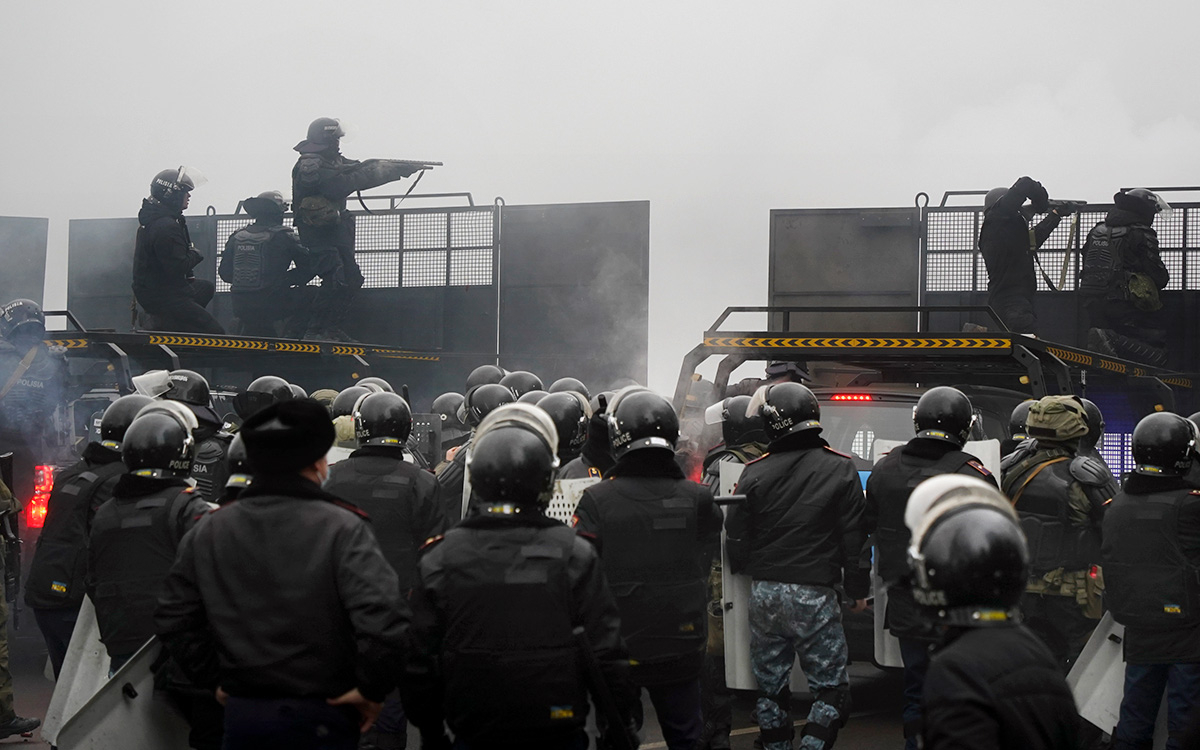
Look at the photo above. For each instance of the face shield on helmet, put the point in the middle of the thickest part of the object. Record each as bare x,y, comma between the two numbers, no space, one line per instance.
152,383
1153,199
530,419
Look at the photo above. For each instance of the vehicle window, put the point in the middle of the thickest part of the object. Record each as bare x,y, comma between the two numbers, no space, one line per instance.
853,428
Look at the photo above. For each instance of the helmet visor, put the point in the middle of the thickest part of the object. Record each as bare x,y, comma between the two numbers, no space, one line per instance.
190,177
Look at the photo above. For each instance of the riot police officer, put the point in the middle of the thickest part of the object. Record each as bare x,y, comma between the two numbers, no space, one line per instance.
521,382
744,438
1089,444
570,384
240,474
134,537
164,257
32,377
991,683
485,374
657,533
1016,428
1009,247
799,534
1121,278
595,457
10,722
570,412
1151,556
405,506
454,431
256,265
282,603
57,576
1060,497
209,469
453,477
496,604
943,419
322,180
261,393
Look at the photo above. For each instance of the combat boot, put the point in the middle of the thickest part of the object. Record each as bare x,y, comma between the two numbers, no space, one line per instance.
19,725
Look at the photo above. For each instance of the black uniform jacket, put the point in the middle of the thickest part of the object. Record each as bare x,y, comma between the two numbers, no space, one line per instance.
1005,243
803,519
993,688
403,501
163,256
493,613
285,593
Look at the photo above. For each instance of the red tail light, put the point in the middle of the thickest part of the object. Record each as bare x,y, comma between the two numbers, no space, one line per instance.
35,510
851,397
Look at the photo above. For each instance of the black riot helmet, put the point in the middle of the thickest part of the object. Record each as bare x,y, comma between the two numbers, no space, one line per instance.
325,131
240,473
261,393
786,409
569,384
297,391
117,418
570,413
944,413
1142,203
191,388
483,375
343,405
446,406
640,419
158,445
972,567
512,460
378,382
532,397
268,205
993,197
1016,421
1095,420
382,419
481,400
170,186
1163,444
22,319
521,382
738,427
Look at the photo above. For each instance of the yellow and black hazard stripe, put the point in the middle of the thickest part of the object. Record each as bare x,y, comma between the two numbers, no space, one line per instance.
209,343
972,343
69,343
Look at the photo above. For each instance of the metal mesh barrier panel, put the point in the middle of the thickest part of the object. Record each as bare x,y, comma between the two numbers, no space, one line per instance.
1117,451
953,264
410,248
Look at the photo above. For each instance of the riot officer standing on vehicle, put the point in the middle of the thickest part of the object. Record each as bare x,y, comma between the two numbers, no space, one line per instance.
256,266
991,682
32,377
55,588
1121,278
322,180
798,535
496,604
282,603
1009,247
164,257
943,419
1060,498
657,533
134,537
1151,556
405,506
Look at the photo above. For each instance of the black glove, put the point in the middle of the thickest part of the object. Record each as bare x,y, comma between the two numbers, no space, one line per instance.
1033,190
1065,208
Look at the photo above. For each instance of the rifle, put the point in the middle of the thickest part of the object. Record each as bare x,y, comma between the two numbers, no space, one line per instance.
607,707
10,537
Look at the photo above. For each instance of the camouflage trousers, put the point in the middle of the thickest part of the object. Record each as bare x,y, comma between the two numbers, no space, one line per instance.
789,620
6,683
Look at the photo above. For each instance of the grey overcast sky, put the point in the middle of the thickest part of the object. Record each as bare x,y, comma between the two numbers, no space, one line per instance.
715,112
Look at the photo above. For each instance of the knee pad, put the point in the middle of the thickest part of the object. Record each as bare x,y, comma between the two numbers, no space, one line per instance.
826,734
783,698
784,733
839,700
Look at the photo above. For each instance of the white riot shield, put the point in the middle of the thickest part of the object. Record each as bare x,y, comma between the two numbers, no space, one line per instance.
566,496
84,672
735,595
126,712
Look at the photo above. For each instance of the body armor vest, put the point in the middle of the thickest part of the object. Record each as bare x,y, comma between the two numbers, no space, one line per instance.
382,487
508,604
56,578
133,545
653,560
891,483
1148,579
1103,258
250,272
209,467
1040,487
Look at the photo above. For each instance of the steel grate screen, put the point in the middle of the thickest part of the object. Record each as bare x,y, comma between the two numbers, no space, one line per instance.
471,229
379,270
471,267
424,230
1117,451
424,268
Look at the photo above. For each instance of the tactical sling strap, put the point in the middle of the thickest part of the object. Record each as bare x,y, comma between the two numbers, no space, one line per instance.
1032,474
22,367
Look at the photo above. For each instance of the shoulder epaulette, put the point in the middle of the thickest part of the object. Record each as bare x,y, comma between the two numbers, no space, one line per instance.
843,455
352,508
758,459
588,536
431,541
1194,492
979,467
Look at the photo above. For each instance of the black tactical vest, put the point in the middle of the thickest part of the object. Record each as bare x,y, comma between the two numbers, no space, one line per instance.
1148,580
892,481
653,560
1103,257
133,544
56,578
383,488
250,271
209,467
1041,500
525,675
